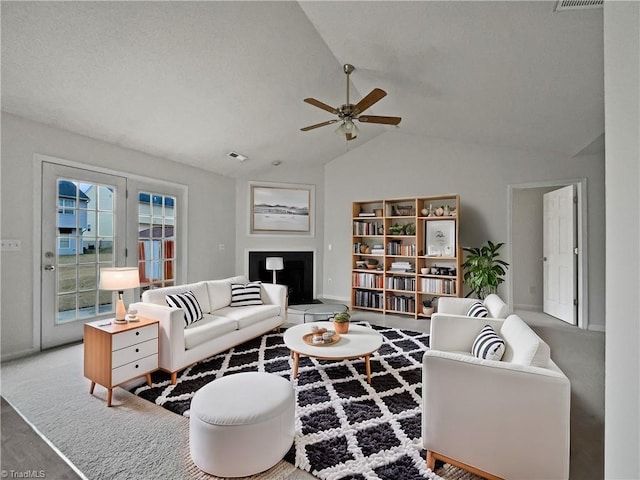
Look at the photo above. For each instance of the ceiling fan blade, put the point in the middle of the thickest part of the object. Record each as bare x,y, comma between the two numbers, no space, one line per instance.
378,119
311,127
319,104
375,95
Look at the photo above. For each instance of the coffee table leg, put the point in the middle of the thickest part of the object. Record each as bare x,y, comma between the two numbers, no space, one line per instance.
368,365
296,360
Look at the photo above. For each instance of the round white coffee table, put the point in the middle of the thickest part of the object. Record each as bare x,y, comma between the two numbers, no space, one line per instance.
359,342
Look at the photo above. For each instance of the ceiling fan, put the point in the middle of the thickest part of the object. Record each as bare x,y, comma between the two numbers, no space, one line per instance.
348,112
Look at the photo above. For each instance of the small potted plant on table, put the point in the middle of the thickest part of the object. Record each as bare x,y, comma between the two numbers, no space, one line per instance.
341,322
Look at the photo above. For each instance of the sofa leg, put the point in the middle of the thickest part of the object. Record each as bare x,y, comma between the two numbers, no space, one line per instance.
174,378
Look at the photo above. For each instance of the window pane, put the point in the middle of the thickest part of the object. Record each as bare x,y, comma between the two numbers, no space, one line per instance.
105,224
67,279
156,240
105,199
87,277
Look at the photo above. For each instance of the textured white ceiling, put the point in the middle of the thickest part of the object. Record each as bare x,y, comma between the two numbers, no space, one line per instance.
191,81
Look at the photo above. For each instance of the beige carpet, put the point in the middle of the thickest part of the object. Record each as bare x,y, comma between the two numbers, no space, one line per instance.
134,439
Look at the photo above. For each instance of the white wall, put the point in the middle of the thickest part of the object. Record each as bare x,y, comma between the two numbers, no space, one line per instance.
211,201
622,124
246,242
400,165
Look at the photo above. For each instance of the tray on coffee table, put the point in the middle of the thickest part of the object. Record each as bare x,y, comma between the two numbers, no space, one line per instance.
308,339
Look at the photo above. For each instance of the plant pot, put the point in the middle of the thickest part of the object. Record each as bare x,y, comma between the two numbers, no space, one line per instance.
341,328
427,310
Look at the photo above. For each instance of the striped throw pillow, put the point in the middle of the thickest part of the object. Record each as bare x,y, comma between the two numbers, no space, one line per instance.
488,345
188,303
478,310
243,295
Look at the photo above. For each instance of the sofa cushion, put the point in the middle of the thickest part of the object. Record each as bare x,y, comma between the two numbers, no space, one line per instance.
246,316
188,303
477,310
220,291
523,345
488,344
211,326
199,289
243,295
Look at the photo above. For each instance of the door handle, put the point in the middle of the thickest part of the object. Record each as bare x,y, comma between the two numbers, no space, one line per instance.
49,268
544,259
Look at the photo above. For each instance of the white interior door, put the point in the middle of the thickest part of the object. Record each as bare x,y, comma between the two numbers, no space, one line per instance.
559,254
83,229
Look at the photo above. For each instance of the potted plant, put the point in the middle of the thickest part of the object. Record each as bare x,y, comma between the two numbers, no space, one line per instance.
428,306
341,322
483,271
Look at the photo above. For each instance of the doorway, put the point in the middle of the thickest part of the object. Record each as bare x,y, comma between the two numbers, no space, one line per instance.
525,289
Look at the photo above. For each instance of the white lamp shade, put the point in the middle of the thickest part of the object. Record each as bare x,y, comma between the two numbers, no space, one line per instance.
275,263
120,278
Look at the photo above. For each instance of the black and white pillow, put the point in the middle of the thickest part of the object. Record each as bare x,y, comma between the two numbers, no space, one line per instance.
488,344
243,295
478,310
188,303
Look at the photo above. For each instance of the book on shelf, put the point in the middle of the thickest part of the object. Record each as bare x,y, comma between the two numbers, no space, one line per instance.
366,214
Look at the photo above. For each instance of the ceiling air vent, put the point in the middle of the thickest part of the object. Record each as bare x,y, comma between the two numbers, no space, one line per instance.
563,5
237,156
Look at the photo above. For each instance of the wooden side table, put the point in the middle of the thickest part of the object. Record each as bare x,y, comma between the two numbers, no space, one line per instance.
116,353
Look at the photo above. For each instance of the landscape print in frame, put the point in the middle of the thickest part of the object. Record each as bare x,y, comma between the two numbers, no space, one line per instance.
277,209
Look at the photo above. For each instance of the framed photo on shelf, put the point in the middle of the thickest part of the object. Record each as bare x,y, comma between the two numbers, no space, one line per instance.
440,238
281,209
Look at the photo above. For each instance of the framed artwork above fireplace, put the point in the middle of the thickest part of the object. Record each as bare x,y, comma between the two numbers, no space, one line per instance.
281,209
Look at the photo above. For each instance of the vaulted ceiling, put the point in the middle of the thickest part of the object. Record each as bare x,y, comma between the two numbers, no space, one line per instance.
191,81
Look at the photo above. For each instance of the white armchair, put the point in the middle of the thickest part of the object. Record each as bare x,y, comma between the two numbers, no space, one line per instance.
500,419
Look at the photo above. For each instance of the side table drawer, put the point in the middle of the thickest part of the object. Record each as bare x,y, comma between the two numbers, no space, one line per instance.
134,352
131,337
134,369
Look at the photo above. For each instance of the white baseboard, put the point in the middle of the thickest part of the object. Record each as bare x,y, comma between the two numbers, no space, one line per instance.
344,300
23,353
597,328
532,308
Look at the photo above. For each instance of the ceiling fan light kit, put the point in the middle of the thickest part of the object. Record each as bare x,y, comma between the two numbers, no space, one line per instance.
349,112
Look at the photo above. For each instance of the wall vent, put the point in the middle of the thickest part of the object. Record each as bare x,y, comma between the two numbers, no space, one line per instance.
563,5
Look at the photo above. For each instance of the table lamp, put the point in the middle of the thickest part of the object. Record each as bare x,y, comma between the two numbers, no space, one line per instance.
274,264
119,279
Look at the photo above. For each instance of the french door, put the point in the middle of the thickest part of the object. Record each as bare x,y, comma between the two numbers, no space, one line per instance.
83,230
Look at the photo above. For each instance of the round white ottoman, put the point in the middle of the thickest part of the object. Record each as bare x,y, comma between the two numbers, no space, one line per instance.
241,424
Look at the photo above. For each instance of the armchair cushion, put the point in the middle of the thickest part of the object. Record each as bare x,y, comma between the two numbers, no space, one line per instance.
188,302
488,345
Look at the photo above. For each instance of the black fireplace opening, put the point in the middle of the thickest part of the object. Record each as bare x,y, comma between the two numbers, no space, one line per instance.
297,274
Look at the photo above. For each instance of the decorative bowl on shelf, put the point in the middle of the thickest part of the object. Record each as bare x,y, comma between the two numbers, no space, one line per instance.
372,267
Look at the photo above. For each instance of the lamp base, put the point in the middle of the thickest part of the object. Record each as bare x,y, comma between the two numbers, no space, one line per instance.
131,318
115,320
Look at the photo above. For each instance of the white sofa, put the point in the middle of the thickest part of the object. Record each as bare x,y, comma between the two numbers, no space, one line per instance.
460,305
221,327
505,419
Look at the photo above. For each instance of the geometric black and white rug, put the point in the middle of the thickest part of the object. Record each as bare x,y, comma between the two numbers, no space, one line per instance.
345,428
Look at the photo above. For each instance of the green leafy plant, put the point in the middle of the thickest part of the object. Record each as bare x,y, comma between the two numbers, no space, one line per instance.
483,271
342,317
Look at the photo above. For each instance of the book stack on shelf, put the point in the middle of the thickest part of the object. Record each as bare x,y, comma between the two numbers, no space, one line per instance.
414,245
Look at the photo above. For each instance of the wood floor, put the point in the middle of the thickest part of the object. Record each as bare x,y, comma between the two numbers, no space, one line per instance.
24,450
